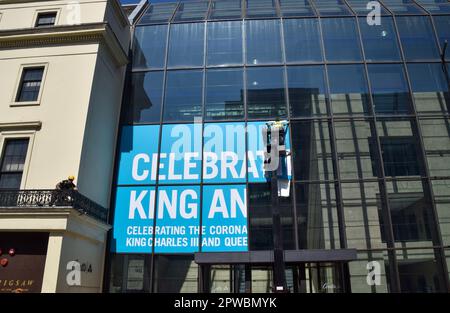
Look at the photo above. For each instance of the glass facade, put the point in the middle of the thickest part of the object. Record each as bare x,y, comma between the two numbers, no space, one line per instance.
368,112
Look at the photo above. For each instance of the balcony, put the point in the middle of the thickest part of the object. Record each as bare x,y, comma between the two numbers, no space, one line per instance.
52,198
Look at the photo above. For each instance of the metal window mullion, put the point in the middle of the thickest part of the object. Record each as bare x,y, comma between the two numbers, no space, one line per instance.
161,117
334,161
288,114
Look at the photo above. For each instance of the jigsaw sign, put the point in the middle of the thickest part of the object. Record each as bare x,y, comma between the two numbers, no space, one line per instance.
183,186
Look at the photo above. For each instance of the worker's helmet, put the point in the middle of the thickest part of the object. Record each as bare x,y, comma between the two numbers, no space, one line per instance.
71,177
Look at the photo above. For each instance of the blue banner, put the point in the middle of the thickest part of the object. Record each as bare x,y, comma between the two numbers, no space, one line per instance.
167,218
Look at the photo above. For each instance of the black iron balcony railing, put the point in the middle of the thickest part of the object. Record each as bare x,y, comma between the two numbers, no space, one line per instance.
52,198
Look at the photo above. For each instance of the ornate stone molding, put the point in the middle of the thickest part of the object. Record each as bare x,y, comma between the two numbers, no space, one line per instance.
59,35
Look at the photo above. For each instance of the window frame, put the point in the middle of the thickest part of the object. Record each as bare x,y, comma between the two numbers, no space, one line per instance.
19,80
19,134
57,11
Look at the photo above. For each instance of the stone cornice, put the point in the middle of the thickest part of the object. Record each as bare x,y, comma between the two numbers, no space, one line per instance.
66,34
34,125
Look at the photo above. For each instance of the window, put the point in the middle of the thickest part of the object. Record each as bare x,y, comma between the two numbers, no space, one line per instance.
442,24
45,19
317,216
261,219
349,96
353,143
306,86
417,38
186,44
263,42
221,9
302,40
379,41
429,87
224,43
224,94
295,8
341,39
149,49
191,11
30,84
399,156
183,101
261,8
390,91
332,7
159,13
266,97
175,273
146,97
312,149
12,163
410,215
436,142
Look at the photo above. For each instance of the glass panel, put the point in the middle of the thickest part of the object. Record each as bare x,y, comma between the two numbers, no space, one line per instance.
417,38
46,19
430,88
183,100
411,217
146,97
436,140
302,40
158,13
224,94
220,279
362,209
261,8
359,271
418,271
360,8
400,148
341,39
149,50
332,7
435,6
136,274
225,9
186,44
261,218
10,181
296,8
379,41
175,274
312,149
266,97
442,202
354,143
390,91
224,43
263,41
262,279
349,96
307,92
318,225
442,24
191,11
30,85
403,7
12,163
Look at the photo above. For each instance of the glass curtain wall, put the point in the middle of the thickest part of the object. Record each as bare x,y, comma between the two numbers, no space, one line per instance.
368,107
